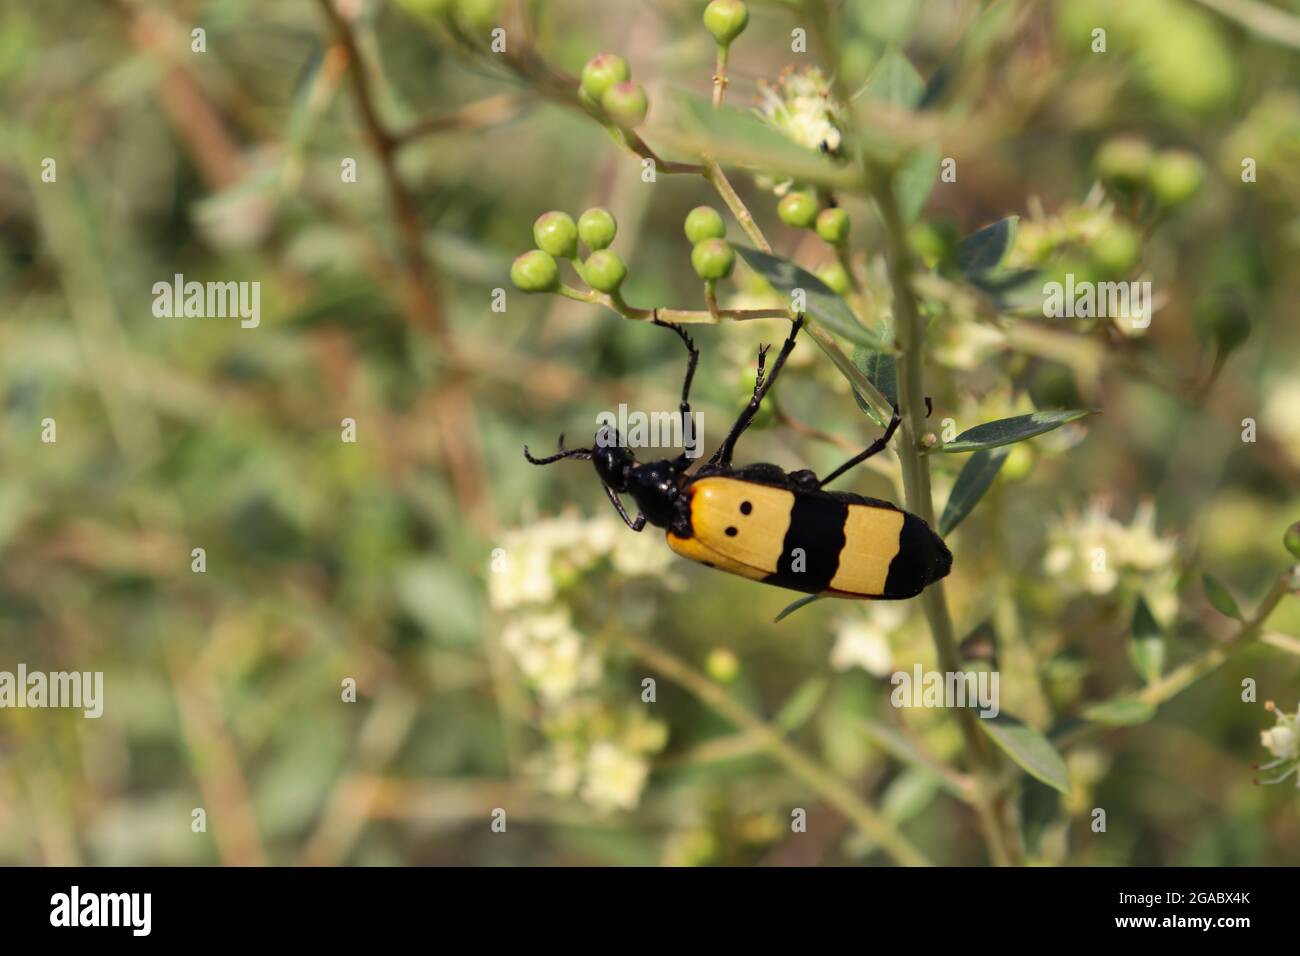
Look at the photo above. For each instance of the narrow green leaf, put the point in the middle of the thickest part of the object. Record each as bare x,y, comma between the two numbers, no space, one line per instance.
975,478
984,249
791,608
881,368
738,137
801,705
1120,711
908,794
1220,597
1147,647
1028,748
896,82
1007,431
821,304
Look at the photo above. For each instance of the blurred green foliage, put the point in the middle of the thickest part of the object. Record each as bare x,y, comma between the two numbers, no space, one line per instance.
328,560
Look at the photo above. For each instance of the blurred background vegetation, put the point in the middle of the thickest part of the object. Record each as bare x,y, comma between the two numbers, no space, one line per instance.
518,684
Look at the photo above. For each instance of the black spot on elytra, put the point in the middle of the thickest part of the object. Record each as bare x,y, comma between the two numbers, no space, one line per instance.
746,507
731,532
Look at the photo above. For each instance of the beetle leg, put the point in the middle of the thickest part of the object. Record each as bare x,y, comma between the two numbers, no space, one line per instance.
636,525
694,358
876,446
761,387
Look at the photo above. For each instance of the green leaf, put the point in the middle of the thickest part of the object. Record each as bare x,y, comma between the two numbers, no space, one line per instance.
1028,748
984,249
822,305
975,478
1007,431
882,370
801,705
739,138
908,794
1120,711
1220,597
1147,647
791,608
896,82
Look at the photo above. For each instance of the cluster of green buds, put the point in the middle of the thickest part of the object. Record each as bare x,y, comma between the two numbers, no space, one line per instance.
1131,168
803,209
557,236
607,91
471,16
711,255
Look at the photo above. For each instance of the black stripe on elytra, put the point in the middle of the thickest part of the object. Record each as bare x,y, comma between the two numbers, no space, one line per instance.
817,532
922,558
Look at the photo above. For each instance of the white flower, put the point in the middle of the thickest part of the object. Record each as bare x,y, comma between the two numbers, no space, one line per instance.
863,643
615,777
521,576
550,654
641,555
1090,553
1283,742
1280,418
964,345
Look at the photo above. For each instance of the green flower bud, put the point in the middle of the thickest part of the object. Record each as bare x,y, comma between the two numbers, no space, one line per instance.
478,15
726,20
535,271
1124,162
1117,250
713,259
935,243
833,226
798,209
603,71
625,104
1053,387
555,233
597,227
704,222
1222,319
833,275
722,665
604,271
1176,176
1292,540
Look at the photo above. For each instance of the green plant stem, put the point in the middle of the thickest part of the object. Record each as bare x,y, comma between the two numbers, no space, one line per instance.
688,316
720,75
826,783
1000,832
1183,676
718,180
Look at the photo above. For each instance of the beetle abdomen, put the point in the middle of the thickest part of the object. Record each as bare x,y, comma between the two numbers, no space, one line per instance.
815,542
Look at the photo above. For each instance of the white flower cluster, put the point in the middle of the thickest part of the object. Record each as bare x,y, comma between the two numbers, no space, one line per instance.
1283,742
599,754
593,754
864,641
1092,553
801,108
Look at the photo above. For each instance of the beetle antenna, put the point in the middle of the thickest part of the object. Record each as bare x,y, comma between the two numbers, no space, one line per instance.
584,453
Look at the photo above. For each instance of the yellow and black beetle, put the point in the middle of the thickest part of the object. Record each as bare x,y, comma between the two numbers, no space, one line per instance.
763,523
